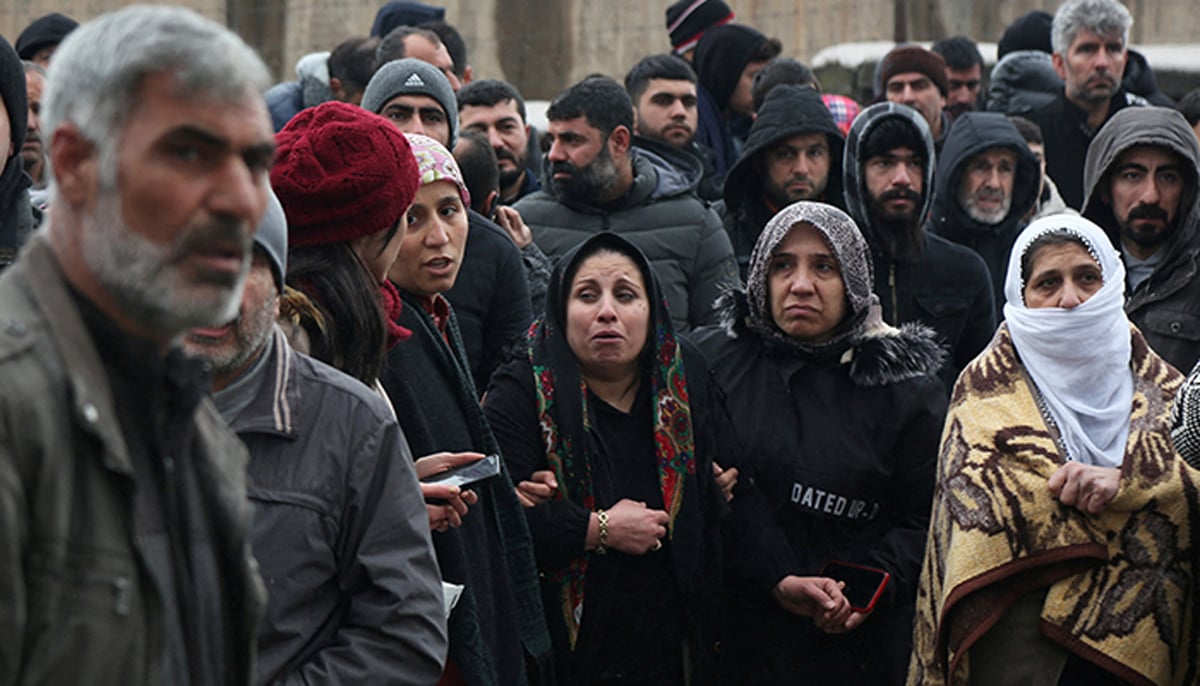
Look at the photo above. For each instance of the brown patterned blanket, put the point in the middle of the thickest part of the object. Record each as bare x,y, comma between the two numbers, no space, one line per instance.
1122,585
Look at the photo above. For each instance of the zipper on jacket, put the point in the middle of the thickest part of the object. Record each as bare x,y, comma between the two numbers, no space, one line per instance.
892,287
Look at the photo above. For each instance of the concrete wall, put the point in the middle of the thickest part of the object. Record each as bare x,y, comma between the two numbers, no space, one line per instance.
544,45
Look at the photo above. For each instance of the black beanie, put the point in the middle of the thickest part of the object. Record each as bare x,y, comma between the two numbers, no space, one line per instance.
44,32
1031,31
722,55
889,134
687,20
397,13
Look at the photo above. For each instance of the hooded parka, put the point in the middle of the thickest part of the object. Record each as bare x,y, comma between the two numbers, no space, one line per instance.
1166,306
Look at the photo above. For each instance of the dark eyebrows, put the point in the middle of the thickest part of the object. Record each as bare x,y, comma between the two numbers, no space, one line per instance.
1131,165
255,154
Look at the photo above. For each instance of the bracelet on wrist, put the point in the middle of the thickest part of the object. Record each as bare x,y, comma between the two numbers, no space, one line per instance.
602,541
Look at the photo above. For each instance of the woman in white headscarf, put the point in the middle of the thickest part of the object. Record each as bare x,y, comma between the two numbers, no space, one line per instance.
1060,548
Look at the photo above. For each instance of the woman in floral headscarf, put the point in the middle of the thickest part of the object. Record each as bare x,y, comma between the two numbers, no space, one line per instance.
1061,549
839,415
626,418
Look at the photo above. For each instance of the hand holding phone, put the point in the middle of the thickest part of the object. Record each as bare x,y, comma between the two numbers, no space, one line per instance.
465,476
863,585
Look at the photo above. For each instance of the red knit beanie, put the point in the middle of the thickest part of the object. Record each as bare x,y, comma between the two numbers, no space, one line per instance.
340,173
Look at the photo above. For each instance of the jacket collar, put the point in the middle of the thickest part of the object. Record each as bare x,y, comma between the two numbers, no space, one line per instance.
273,409
91,398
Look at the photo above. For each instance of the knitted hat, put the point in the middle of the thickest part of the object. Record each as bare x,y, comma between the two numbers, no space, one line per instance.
435,163
44,32
411,76
342,173
907,58
1030,31
687,20
397,13
271,236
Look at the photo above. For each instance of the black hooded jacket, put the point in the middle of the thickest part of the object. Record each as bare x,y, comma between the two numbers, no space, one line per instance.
973,133
945,286
788,111
1166,306
721,56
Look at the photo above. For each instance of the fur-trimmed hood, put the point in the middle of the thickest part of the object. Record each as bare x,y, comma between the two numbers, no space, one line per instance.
883,356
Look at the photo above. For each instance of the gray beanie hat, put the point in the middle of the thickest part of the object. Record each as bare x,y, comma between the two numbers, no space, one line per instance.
412,76
272,238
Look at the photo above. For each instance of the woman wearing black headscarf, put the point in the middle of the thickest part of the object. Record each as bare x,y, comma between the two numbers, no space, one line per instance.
16,211
839,415
627,419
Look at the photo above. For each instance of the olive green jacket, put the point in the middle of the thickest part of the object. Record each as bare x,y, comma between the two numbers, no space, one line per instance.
77,603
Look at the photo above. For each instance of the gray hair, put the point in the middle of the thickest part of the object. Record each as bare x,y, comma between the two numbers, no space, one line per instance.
98,71
1102,17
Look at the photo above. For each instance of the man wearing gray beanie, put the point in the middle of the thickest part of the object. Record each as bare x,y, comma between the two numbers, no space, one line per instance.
417,97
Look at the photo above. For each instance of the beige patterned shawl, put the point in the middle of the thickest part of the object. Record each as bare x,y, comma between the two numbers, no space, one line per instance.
1122,584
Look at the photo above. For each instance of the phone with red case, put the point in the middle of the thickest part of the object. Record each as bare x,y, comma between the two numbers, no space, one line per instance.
864,585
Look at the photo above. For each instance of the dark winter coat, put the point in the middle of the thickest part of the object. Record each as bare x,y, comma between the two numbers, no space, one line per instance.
682,237
78,604
946,286
340,531
1067,136
842,444
497,632
788,111
1166,306
973,133
490,296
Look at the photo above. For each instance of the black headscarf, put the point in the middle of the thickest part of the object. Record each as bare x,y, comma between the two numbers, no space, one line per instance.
562,412
16,213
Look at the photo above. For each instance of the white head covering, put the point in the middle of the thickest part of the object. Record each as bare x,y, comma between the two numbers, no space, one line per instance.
1079,358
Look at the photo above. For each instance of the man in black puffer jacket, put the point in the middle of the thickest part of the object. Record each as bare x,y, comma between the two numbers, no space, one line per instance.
986,182
794,152
919,276
600,178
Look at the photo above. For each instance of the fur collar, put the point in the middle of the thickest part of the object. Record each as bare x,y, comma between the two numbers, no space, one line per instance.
883,356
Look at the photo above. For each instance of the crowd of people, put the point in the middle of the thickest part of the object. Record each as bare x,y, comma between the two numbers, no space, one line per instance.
719,379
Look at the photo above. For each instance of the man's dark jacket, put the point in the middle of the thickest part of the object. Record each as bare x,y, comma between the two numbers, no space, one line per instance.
1166,306
77,601
1067,135
490,296
945,286
681,235
340,530
788,111
974,133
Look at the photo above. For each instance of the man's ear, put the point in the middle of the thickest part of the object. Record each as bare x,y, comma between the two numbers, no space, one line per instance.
468,75
75,161
1060,66
489,203
619,140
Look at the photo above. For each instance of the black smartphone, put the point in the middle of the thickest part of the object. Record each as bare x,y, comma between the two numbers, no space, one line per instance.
467,475
864,585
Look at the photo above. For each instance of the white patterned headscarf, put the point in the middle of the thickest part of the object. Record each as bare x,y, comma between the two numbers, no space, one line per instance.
854,262
1079,358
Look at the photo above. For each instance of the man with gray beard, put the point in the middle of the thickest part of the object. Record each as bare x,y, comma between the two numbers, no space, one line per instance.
355,588
123,511
598,180
987,180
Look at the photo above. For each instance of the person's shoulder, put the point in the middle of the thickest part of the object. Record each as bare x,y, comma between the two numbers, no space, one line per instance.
950,256
319,382
910,354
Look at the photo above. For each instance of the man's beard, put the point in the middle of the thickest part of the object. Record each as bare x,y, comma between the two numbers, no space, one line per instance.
250,332
509,177
968,202
1149,239
144,278
899,235
587,184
